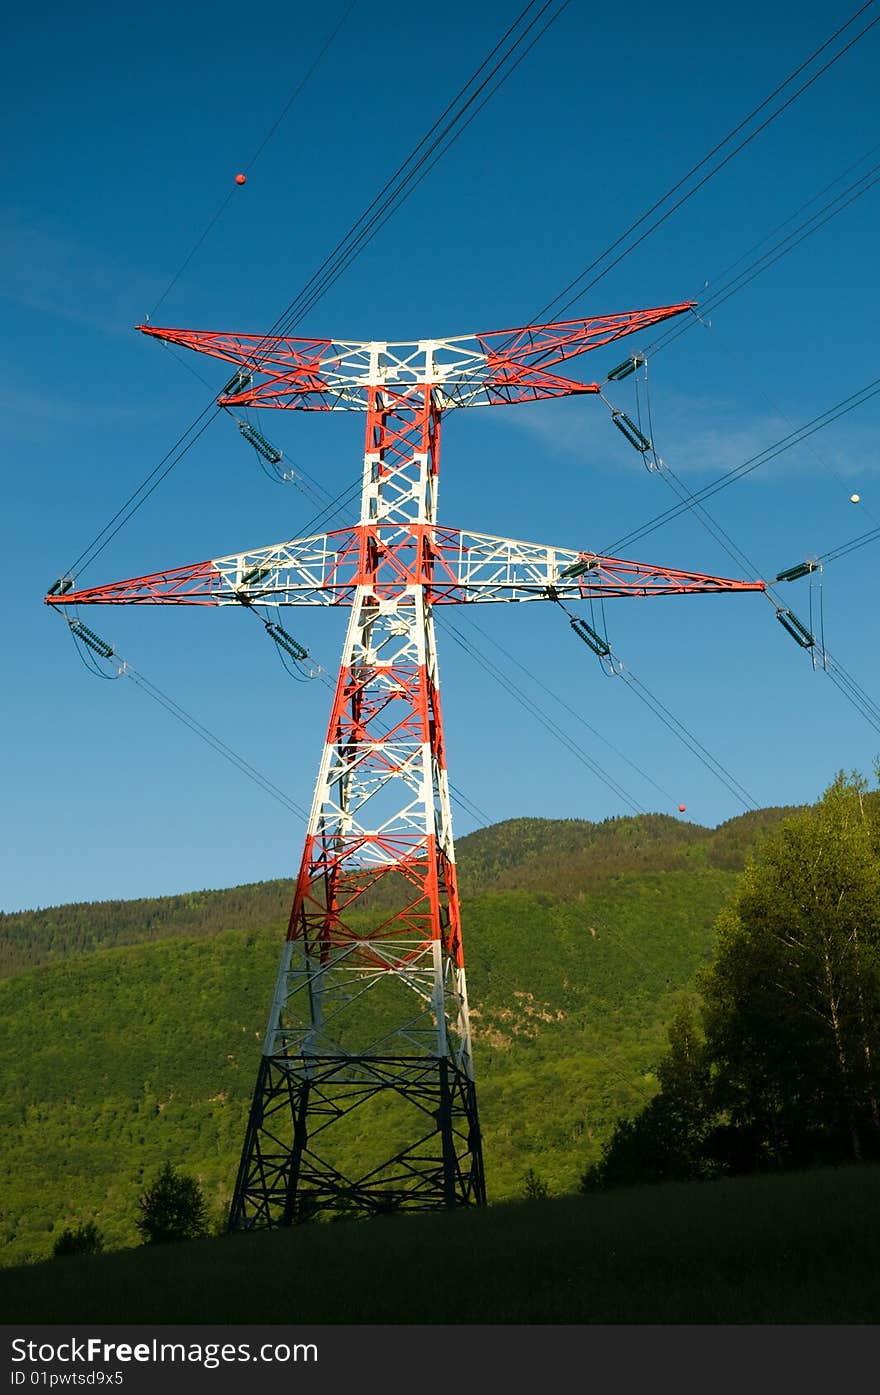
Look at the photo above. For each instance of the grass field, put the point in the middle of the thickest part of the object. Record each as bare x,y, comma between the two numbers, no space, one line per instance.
793,1248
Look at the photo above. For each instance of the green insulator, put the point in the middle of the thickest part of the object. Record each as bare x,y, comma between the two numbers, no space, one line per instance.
631,432
66,585
624,369
789,621
286,641
584,564
255,574
259,443
89,638
795,573
595,642
54,588
238,383
60,587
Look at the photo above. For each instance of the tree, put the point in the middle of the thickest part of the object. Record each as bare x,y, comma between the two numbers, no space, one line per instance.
173,1208
85,1240
534,1186
667,1139
789,1071
792,1000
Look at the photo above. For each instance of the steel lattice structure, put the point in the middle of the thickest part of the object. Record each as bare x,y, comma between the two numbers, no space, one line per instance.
371,998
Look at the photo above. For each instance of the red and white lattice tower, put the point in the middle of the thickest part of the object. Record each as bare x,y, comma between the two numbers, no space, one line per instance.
370,1006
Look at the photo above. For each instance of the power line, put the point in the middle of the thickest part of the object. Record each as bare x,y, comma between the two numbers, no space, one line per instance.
753,462
338,507
253,159
842,679
807,441
319,671
222,749
676,727
846,684
546,721
673,723
767,259
384,208
545,687
127,670
645,695
336,269
311,490
403,182
852,546
774,254
541,716
851,690
835,670
814,198
139,496
687,738
724,291
310,293
556,310
688,502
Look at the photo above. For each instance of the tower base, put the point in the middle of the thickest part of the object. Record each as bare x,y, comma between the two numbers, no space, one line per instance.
306,1153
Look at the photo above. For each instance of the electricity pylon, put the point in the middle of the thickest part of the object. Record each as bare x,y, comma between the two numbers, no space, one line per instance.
370,1004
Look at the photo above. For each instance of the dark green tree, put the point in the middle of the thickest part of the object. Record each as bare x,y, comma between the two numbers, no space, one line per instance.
173,1208
534,1186
86,1239
789,1071
792,1000
667,1139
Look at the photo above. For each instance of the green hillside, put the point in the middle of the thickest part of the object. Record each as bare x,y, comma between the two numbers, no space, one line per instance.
30,938
580,939
564,856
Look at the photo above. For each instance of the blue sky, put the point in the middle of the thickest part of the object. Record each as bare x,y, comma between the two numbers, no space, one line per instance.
122,138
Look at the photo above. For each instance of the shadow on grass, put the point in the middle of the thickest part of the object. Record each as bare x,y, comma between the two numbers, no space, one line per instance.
783,1249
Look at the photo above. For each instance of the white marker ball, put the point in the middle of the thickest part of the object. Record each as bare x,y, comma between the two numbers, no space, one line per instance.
854,498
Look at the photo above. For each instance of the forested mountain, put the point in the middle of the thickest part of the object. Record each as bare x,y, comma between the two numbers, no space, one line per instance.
562,856
136,1037
29,938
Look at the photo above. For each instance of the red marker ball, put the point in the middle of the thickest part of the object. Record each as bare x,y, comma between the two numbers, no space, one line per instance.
241,179
682,808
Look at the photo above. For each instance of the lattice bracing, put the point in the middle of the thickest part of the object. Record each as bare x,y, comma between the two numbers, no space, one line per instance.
453,565
286,1175
489,368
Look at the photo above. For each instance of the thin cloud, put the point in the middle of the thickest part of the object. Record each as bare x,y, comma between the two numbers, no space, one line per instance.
696,436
